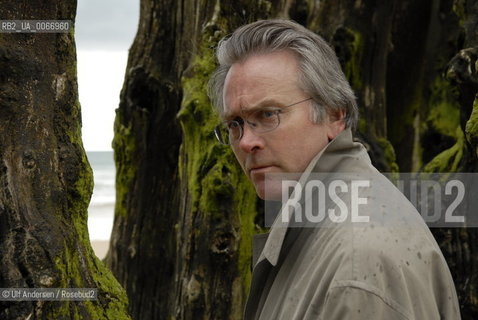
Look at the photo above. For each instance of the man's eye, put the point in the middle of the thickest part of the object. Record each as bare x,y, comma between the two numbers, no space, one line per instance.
231,125
266,114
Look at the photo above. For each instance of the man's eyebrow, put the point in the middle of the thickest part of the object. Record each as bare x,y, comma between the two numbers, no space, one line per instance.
244,111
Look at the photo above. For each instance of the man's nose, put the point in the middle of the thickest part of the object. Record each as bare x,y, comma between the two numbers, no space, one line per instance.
250,140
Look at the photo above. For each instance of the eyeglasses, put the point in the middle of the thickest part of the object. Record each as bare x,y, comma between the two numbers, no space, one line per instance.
260,121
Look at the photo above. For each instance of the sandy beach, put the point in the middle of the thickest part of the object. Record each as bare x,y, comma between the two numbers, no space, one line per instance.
100,247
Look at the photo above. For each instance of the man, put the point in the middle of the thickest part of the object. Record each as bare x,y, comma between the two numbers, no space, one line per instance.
287,108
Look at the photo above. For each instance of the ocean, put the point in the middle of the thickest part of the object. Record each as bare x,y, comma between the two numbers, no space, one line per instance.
101,209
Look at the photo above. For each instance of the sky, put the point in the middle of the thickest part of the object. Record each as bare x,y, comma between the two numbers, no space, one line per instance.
104,31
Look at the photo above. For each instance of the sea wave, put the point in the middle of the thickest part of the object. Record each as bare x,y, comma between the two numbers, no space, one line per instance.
102,200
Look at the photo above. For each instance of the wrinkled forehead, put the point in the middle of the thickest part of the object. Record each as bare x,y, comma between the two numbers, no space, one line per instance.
247,110
260,81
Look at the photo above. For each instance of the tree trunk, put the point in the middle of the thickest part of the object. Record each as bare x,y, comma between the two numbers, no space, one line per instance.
45,178
181,238
185,213
427,117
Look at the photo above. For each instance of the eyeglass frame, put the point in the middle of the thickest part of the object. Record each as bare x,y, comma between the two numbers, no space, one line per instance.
241,125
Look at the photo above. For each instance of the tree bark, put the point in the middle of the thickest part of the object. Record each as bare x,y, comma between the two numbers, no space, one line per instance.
185,214
428,84
182,248
45,178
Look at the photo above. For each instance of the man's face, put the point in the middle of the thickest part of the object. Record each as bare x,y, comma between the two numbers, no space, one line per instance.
265,81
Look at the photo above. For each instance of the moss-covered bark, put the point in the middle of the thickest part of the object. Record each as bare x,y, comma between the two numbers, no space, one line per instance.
46,180
182,249
220,207
471,128
147,137
428,69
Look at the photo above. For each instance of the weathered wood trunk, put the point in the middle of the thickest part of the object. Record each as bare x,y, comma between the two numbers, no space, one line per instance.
460,245
185,215
416,88
45,178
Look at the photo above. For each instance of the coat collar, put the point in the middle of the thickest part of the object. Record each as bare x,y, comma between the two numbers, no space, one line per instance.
328,159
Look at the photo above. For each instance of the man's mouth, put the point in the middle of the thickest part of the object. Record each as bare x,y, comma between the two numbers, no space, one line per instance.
259,169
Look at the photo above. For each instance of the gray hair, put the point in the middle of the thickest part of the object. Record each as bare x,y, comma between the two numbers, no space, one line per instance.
321,76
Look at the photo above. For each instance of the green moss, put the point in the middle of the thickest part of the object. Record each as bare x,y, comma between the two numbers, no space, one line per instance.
352,66
444,113
124,146
444,118
471,128
362,125
83,187
459,10
215,181
77,265
245,196
408,117
197,121
389,153
448,160
112,301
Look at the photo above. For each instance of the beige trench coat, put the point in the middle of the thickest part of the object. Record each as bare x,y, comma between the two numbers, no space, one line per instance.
352,271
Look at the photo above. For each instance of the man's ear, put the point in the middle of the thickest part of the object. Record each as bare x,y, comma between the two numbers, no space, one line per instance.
336,123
